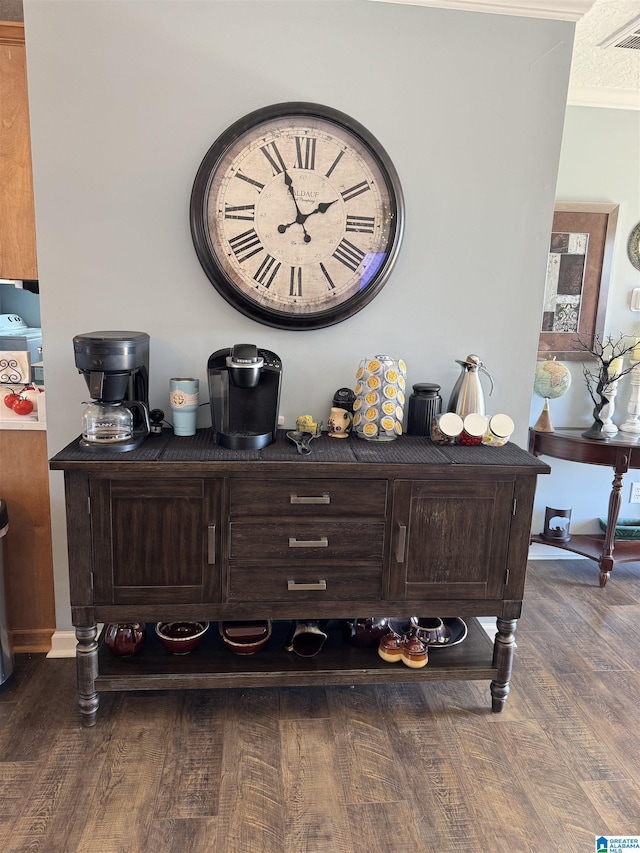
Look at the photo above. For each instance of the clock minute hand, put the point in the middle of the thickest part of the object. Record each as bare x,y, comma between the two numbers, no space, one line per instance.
300,218
289,183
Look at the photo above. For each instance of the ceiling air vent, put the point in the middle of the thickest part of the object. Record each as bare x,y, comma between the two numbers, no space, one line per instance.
627,37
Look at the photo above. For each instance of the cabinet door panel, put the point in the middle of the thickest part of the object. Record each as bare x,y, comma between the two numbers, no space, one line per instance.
450,539
152,541
17,219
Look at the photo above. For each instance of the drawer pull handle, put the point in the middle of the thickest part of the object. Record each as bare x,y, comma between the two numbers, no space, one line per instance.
211,544
303,586
401,544
313,499
322,542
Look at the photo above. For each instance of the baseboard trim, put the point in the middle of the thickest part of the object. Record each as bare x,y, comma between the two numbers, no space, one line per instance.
63,645
32,640
538,551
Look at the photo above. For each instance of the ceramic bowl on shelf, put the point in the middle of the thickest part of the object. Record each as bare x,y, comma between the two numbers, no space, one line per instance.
431,630
180,638
245,638
455,633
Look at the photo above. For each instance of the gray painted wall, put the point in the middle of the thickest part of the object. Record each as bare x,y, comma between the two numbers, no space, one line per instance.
125,100
600,162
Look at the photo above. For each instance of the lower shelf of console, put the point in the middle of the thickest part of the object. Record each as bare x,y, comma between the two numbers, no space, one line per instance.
212,665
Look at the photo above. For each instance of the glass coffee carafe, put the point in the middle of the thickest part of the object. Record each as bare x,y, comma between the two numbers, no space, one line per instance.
111,425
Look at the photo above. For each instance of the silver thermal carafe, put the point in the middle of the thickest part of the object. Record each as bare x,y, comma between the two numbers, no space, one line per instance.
244,393
115,366
467,396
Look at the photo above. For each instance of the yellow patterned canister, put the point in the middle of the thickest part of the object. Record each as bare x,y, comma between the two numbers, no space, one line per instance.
381,381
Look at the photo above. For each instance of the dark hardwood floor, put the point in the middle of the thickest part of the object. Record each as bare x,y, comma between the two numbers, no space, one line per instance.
420,768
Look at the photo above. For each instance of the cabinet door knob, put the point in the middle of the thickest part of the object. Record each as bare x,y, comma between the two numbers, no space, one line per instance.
297,585
322,542
401,543
211,544
312,499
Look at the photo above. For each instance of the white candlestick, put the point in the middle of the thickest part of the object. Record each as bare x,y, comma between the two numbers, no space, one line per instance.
632,424
607,412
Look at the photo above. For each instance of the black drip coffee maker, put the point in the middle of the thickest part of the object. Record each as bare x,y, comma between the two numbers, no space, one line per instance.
115,366
244,392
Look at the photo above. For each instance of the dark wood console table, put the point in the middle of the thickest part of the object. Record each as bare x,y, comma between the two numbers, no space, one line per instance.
182,529
621,452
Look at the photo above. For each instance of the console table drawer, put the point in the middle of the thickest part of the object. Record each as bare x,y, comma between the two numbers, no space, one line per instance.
253,582
320,498
300,541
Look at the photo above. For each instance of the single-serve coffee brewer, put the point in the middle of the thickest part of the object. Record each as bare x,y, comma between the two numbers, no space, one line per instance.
115,366
244,392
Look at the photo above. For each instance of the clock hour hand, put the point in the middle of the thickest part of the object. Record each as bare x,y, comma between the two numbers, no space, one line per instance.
322,207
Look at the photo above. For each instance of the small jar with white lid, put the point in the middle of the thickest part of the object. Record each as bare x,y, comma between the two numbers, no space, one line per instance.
446,428
499,430
474,427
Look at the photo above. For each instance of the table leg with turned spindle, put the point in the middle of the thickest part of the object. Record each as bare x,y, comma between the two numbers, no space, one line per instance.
503,649
87,672
615,501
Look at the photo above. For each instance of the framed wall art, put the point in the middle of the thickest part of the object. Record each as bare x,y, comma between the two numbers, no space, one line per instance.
577,281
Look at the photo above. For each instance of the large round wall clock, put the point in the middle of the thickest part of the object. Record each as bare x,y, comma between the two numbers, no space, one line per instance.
297,216
633,246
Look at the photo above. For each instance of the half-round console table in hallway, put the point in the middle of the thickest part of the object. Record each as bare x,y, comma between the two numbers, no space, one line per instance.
620,452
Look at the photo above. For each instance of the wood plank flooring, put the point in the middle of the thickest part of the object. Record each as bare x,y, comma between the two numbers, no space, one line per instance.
364,769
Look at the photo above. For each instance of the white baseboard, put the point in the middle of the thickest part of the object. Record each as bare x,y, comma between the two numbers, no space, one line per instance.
63,645
538,551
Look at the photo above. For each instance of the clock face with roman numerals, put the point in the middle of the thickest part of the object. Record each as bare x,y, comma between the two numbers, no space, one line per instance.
297,216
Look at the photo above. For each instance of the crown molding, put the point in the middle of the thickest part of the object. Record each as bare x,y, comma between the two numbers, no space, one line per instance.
612,99
556,10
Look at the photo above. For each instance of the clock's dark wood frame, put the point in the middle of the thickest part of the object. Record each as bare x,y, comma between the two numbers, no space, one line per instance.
202,238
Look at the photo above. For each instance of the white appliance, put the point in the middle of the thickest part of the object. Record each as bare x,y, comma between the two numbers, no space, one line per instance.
16,335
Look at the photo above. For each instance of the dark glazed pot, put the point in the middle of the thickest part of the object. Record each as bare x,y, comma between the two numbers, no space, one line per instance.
124,638
366,632
181,638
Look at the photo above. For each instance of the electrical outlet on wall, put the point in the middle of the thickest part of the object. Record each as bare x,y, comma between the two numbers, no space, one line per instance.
634,493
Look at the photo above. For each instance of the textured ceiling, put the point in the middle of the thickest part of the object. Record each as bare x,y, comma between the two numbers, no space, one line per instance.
605,73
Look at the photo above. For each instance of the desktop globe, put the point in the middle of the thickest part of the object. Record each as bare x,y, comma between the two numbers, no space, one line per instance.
552,380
